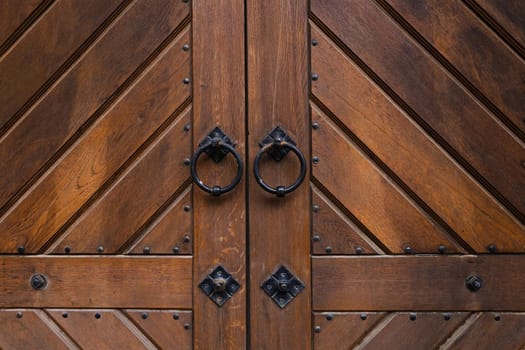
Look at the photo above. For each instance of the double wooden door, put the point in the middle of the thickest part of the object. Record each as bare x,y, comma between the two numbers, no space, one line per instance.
407,232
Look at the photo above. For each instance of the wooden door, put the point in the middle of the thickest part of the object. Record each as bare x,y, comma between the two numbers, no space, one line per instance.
407,232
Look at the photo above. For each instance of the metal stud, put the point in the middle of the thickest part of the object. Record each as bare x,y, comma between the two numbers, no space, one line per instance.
328,249
144,315
100,249
187,326
187,127
315,208
413,316
314,42
176,316
187,161
21,249
358,250
19,314
176,249
317,329
187,208
330,317
315,160
315,77
316,238
408,250
38,281
492,248
363,316
65,315
441,249
497,317
98,315
186,80
446,316
315,125
67,249
146,250
186,47
186,239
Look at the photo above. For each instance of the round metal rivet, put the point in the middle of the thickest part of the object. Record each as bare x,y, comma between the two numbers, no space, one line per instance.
187,326
67,249
144,315
186,80
330,317
492,248
314,42
317,329
187,208
473,283
100,249
65,315
497,317
441,249
315,126
98,315
363,316
315,160
328,249
315,208
38,281
176,249
187,127
408,250
21,249
446,316
315,77
19,314
146,250
316,238
185,47
176,316
186,239
187,161
413,316
358,250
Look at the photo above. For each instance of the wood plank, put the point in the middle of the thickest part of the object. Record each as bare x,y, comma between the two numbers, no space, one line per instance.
219,222
371,196
97,282
13,13
22,329
101,329
280,228
124,208
439,101
410,152
418,283
493,331
460,36
426,331
342,330
171,232
88,164
45,47
87,85
168,329
509,14
334,233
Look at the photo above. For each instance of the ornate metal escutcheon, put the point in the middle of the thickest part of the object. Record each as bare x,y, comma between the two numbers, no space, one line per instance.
219,285
282,286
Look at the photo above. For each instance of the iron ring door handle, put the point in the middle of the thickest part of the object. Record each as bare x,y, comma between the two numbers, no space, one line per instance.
277,144
217,145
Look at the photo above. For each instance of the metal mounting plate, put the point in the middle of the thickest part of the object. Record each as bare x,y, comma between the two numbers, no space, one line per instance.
277,153
219,285
212,144
282,286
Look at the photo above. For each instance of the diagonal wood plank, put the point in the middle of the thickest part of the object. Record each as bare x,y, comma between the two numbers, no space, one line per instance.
91,161
334,233
100,329
371,196
14,13
342,330
438,102
406,149
86,90
171,232
145,186
168,329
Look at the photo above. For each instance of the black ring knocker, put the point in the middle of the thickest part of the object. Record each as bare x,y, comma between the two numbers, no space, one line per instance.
217,145
277,144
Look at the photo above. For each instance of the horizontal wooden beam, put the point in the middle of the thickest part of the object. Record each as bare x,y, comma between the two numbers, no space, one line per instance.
97,282
384,283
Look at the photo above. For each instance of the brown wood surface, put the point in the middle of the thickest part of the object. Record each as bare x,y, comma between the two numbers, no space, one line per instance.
490,331
44,48
431,95
170,230
363,109
95,282
219,222
279,227
371,196
334,233
167,329
342,330
418,283
85,91
27,329
14,13
111,330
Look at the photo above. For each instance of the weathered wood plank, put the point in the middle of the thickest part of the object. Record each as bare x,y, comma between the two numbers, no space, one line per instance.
418,283
13,13
279,227
97,282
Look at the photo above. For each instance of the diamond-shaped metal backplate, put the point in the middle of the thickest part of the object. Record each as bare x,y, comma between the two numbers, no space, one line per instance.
219,285
282,286
277,152
216,153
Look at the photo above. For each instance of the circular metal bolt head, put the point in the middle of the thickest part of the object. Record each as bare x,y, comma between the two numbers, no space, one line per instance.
317,329
38,281
315,77
186,47
315,208
21,249
19,314
176,249
187,127
497,317
446,316
408,250
98,315
186,239
330,317
413,316
358,250
65,315
314,42
146,250
441,249
473,283
187,208
315,125
328,249
100,249
187,161
67,249
144,315
186,81
492,248
176,316
315,160
187,326
316,238
216,191
363,316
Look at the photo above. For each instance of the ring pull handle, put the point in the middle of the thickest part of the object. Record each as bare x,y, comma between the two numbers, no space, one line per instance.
216,145
277,144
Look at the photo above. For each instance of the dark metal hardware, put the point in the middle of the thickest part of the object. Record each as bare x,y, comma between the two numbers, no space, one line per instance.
474,283
219,285
38,281
216,145
277,144
282,286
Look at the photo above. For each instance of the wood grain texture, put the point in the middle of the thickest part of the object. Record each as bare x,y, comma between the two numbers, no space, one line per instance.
45,47
491,332
13,13
340,331
409,152
371,196
219,222
104,148
83,89
460,37
111,330
440,102
509,14
337,234
279,227
145,186
167,329
95,282
26,331
426,331
172,229
418,283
